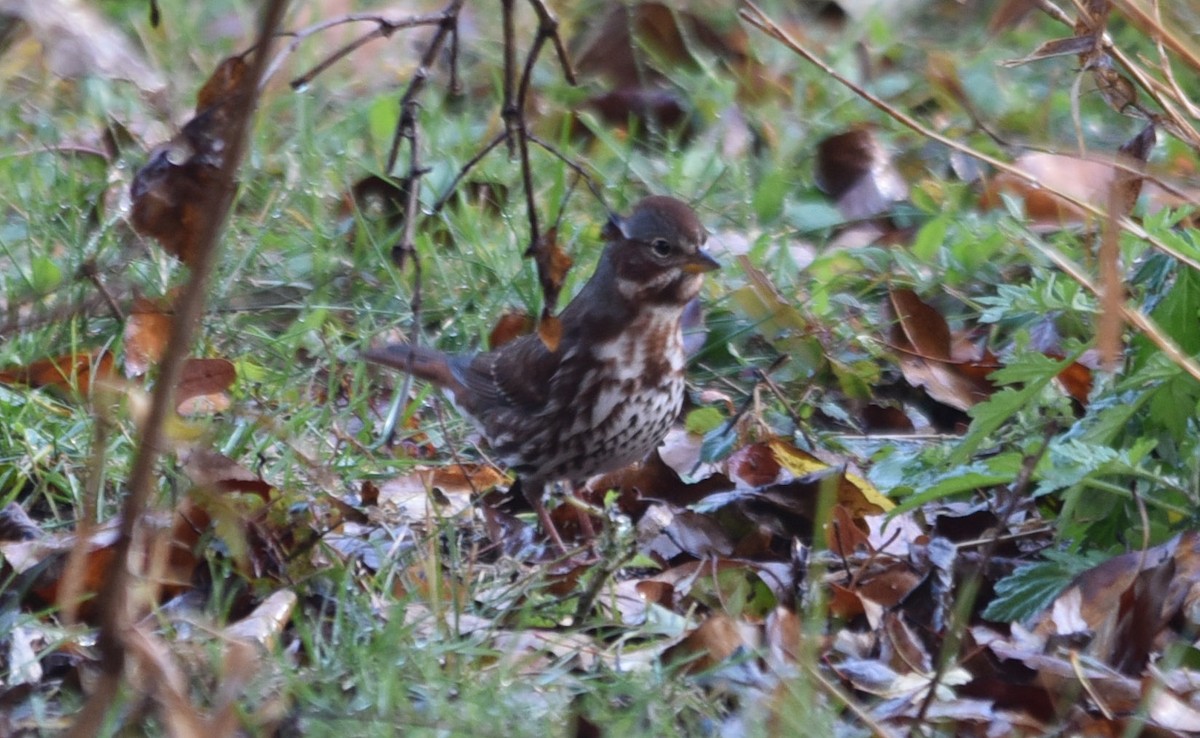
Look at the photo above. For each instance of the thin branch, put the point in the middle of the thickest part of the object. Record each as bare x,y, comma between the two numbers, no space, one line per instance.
508,110
548,26
466,169
522,132
574,166
113,596
448,24
385,27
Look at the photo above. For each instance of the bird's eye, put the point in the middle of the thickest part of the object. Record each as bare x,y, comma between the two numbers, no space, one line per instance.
661,247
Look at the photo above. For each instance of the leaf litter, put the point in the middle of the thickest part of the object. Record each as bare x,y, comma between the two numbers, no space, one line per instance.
748,564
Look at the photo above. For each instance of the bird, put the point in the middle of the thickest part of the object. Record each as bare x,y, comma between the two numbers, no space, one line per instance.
606,396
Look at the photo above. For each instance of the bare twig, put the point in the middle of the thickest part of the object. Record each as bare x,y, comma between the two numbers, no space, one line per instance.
113,603
466,169
522,134
548,26
574,166
385,27
447,25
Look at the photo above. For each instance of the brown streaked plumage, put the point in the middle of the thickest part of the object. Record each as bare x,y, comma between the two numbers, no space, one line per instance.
608,395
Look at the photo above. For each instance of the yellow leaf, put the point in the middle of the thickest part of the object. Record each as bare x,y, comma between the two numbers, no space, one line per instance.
859,496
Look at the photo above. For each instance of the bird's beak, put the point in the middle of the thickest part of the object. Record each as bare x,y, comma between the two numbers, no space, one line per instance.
700,262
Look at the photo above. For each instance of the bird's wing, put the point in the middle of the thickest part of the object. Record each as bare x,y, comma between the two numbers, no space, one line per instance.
518,375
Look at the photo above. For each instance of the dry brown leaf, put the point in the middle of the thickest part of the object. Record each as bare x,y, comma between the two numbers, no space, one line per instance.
175,192
927,357
265,623
169,559
429,493
711,643
202,385
1088,180
845,535
552,266
613,47
1127,600
856,171
73,371
208,468
147,331
665,534
549,330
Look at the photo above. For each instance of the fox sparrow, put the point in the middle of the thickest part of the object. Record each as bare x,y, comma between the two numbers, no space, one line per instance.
606,397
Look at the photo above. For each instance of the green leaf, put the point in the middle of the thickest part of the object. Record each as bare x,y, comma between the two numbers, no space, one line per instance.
1036,371
1031,588
930,238
381,120
999,469
1178,312
718,443
768,198
45,276
704,419
812,215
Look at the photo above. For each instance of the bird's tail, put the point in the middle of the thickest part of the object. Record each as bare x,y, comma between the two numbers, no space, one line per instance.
424,362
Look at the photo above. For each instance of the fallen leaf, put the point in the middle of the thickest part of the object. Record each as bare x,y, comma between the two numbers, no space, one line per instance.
858,495
927,356
77,41
16,525
175,193
264,625
855,170
73,371
202,385
712,642
147,331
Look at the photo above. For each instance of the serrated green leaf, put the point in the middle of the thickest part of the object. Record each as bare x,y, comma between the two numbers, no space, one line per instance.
999,469
1031,588
1036,371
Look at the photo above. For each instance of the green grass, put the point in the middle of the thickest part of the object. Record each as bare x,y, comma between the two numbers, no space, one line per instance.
295,299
